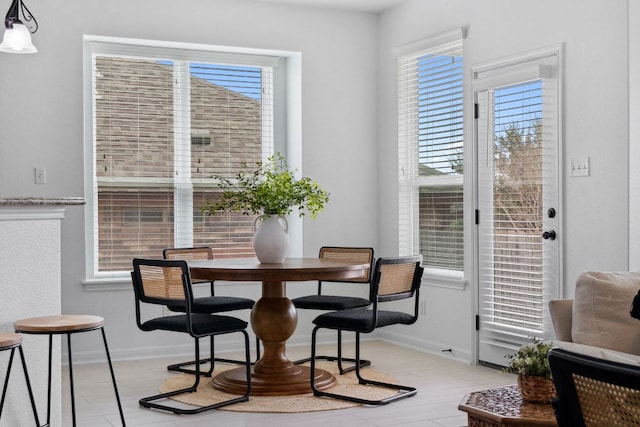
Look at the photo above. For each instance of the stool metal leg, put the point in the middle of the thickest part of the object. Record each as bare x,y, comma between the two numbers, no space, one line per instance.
113,377
26,376
49,382
6,380
73,396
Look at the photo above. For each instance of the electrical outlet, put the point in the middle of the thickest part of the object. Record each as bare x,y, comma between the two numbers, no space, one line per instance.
423,307
40,175
580,167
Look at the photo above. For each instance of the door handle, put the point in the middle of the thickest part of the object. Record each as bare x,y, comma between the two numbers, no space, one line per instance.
549,235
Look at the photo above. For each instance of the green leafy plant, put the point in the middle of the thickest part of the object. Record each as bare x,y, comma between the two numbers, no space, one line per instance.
531,359
269,189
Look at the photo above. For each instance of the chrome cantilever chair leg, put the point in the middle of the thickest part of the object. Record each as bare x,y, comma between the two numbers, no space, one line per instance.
149,402
363,363
405,391
180,367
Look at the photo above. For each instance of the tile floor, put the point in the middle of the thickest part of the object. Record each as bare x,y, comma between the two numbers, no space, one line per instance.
441,383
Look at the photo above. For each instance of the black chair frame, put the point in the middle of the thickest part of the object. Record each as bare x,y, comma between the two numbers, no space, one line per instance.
567,367
230,303
185,323
366,321
318,302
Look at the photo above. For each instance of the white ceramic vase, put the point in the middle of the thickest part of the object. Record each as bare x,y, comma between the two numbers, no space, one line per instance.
271,239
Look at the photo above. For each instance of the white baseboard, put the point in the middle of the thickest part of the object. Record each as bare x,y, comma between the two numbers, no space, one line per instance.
328,338
418,344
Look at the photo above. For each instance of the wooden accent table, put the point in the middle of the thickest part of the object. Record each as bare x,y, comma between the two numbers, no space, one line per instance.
504,406
274,319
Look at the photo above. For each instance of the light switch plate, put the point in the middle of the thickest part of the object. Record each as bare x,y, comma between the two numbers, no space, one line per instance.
580,167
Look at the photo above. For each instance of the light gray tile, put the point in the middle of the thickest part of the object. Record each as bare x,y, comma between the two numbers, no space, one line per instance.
442,384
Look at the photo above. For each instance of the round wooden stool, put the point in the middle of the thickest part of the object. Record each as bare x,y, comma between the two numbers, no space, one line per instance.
67,325
11,341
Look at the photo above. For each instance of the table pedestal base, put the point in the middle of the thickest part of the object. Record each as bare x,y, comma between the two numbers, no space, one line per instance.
296,381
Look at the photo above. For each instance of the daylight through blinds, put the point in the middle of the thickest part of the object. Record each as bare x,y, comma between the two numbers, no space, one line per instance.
431,136
164,128
517,212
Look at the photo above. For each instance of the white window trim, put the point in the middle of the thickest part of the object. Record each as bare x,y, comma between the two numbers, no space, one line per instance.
287,130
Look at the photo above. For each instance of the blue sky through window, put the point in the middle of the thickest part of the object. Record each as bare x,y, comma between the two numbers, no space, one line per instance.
241,79
440,112
519,105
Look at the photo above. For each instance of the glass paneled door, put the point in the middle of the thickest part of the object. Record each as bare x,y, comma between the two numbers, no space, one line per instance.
518,217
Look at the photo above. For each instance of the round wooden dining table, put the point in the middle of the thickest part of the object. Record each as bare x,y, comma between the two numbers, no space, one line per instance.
274,319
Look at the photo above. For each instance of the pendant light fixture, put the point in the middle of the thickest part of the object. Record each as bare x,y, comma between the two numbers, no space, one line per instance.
17,36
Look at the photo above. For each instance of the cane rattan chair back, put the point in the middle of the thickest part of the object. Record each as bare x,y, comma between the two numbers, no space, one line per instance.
201,253
392,279
189,254
594,392
357,254
168,283
329,302
209,304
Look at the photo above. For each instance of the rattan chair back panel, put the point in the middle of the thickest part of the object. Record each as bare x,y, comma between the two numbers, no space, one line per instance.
396,279
162,283
350,254
593,391
605,404
189,254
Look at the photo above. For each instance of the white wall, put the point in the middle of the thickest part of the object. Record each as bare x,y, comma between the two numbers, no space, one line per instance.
30,277
634,134
349,127
594,34
42,121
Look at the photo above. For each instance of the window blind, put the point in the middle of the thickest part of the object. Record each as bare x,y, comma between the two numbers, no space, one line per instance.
517,220
164,128
517,139
430,153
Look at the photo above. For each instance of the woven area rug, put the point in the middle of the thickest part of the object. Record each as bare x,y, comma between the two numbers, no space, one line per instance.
345,384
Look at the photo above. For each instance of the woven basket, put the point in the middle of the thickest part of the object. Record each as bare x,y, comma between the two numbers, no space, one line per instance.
536,389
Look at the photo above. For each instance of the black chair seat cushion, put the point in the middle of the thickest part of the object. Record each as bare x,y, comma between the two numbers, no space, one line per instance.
329,302
202,324
217,304
361,320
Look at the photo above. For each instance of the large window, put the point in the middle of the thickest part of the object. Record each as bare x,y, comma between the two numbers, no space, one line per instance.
430,131
165,123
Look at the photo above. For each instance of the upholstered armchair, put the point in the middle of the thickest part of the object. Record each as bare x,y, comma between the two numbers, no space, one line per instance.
598,315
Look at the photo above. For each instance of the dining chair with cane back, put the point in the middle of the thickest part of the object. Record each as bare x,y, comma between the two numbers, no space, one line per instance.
330,302
593,391
168,283
209,304
393,279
